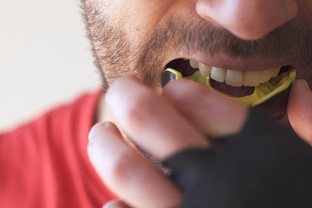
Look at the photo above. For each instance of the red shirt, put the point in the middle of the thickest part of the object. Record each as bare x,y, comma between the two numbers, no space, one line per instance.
45,163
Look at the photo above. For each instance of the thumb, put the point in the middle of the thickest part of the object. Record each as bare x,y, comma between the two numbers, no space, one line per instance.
300,110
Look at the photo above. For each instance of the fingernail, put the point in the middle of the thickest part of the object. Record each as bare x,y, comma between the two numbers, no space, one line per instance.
96,129
304,84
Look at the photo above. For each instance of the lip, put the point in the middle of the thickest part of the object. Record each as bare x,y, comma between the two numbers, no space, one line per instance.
240,64
276,106
256,63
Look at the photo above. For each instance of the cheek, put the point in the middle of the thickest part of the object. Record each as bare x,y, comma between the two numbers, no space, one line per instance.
139,17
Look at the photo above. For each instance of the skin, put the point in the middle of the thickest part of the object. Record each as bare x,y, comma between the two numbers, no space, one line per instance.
142,185
131,49
141,37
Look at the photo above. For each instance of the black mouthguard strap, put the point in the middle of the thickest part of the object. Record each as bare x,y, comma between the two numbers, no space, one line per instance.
266,165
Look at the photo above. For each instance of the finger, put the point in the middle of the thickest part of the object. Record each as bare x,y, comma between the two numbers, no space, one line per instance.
127,174
300,110
212,112
150,121
116,204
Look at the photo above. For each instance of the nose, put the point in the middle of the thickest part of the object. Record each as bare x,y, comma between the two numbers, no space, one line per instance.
248,19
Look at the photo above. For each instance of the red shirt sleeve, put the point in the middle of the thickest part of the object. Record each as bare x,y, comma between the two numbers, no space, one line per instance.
45,164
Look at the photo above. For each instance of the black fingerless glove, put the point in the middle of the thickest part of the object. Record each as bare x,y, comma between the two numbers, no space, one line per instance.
265,166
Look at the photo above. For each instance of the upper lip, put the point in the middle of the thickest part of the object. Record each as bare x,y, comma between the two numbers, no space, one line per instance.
240,64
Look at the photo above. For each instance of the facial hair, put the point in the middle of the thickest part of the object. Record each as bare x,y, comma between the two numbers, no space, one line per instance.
114,54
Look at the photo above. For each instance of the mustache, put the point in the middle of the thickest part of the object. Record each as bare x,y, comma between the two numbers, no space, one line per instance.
193,34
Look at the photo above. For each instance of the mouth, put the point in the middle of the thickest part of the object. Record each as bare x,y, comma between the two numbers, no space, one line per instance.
254,88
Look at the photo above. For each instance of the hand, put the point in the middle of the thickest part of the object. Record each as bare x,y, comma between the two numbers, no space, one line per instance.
162,125
300,110
193,118
127,173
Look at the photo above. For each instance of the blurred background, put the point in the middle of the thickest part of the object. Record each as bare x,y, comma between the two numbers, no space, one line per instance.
45,58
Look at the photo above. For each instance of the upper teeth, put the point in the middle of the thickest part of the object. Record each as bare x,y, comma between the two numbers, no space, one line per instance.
235,78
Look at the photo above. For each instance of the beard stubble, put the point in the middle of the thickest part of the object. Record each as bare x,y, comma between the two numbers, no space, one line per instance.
114,54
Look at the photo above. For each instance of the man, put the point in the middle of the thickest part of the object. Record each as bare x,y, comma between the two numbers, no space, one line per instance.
238,39
142,37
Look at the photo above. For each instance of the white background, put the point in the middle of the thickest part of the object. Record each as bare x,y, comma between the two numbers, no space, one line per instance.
45,58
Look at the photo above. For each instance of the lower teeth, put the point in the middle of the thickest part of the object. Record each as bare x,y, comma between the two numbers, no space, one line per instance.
262,93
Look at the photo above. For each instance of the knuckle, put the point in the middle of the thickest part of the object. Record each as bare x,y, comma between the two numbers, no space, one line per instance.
123,168
139,110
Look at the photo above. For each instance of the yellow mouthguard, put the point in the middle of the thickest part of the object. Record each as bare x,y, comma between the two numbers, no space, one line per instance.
262,93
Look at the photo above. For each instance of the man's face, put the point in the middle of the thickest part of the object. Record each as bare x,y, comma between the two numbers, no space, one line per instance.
142,37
